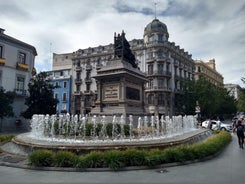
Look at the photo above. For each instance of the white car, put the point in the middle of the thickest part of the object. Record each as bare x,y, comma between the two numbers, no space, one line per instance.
216,125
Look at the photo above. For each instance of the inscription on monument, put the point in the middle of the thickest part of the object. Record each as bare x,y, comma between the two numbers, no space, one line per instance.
111,92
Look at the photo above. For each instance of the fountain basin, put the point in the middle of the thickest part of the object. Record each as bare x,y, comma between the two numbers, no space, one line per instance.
27,144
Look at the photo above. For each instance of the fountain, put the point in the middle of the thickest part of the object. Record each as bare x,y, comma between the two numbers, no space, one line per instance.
82,134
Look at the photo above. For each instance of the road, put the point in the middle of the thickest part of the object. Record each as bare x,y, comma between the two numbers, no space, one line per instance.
228,167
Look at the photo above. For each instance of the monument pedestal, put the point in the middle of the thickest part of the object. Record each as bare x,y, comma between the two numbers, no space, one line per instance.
120,90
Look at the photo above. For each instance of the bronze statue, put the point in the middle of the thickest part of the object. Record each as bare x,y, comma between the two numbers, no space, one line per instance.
122,49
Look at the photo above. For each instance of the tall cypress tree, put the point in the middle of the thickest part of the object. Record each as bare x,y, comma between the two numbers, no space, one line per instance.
41,99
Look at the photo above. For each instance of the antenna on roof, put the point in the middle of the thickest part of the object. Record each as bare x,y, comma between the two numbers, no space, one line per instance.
155,10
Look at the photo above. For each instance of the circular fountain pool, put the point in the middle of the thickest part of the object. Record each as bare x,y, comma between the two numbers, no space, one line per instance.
71,133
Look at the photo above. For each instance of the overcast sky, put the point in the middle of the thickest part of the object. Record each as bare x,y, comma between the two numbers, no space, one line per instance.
205,28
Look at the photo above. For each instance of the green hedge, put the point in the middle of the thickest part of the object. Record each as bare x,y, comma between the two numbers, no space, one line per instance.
6,137
116,159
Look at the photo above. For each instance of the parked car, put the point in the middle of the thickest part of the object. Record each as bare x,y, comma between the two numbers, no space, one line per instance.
216,125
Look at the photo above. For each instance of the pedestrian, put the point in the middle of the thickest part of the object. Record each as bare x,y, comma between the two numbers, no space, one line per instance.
233,125
240,133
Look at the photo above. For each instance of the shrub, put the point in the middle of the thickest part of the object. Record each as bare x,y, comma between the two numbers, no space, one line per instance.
4,138
65,159
89,129
94,159
114,159
81,163
98,128
41,158
153,160
134,157
126,129
109,129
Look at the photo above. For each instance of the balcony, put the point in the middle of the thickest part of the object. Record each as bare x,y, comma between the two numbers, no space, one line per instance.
98,66
21,92
78,81
89,67
88,92
88,80
77,93
22,66
159,73
78,69
2,61
158,88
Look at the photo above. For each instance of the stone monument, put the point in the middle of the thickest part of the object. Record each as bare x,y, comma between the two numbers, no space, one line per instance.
120,84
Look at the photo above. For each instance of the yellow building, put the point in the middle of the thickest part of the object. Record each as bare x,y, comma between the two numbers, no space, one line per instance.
208,71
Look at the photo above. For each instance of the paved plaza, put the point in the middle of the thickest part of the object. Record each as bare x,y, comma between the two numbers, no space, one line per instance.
226,168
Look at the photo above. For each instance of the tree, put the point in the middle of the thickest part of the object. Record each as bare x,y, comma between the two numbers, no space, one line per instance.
213,100
6,99
41,99
241,101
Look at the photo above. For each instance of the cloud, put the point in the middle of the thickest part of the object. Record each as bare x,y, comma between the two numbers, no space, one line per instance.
206,29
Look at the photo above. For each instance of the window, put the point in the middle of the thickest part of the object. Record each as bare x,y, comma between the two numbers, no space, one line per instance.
64,97
64,107
160,83
168,67
151,38
151,84
199,69
65,73
149,55
22,57
65,84
78,75
161,99
150,69
1,51
20,83
87,87
160,38
159,54
56,84
56,96
151,99
160,68
77,88
88,75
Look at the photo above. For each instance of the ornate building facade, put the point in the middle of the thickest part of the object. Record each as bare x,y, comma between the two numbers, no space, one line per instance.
165,64
17,60
208,71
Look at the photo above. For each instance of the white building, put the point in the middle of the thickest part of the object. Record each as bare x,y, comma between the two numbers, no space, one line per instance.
165,64
16,69
233,89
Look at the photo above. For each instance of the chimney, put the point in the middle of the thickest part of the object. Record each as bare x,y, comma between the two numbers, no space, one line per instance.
211,63
2,31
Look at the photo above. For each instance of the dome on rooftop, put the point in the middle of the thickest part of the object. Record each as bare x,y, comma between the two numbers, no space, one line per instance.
156,26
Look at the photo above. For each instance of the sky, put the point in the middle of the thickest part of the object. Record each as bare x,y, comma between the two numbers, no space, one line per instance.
206,29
